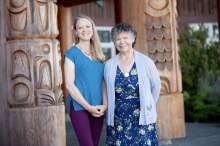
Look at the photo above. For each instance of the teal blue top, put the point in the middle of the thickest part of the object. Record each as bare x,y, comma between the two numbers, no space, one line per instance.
88,78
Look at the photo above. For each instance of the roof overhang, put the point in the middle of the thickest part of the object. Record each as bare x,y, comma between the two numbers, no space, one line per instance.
68,3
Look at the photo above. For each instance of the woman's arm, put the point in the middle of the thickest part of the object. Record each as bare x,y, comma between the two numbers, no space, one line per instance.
104,92
103,107
69,72
155,83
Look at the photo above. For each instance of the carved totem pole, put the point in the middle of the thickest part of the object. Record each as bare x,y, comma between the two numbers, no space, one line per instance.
155,22
35,112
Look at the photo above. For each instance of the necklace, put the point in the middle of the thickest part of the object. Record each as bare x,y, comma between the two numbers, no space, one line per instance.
126,74
87,54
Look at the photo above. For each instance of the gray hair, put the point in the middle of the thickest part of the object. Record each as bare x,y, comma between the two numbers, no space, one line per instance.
124,27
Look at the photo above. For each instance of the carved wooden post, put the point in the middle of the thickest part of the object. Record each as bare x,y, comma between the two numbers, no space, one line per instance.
65,37
3,84
155,22
35,110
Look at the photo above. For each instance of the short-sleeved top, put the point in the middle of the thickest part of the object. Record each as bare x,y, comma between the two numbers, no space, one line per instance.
88,78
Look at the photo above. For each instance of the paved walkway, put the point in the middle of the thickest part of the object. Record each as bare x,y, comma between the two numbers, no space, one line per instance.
197,134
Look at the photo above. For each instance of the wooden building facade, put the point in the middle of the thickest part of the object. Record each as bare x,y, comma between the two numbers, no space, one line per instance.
101,15
31,101
196,11
155,23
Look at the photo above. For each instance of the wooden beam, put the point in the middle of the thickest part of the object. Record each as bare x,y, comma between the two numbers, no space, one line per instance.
4,134
68,3
65,37
118,11
198,19
118,14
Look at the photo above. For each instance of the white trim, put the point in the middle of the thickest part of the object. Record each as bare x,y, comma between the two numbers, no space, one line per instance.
209,26
107,44
105,28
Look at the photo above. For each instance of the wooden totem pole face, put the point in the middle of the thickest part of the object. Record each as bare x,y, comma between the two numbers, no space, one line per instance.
161,36
33,65
31,18
36,114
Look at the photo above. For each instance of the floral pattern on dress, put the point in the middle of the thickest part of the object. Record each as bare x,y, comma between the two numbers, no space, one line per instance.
126,130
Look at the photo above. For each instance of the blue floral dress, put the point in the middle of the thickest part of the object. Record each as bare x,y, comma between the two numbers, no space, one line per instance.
126,130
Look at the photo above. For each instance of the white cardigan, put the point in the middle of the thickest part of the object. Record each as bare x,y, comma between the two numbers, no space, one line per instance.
149,87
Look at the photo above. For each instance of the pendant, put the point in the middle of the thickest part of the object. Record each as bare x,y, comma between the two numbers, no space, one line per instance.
126,74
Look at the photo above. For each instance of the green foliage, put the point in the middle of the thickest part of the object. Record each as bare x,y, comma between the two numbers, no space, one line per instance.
197,57
209,85
200,72
196,110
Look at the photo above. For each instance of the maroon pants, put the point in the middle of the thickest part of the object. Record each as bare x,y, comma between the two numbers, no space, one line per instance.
87,127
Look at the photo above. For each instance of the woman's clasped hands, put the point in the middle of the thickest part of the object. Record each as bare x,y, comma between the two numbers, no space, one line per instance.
97,111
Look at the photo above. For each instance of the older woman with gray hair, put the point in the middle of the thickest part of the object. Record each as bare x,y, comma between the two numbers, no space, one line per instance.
133,88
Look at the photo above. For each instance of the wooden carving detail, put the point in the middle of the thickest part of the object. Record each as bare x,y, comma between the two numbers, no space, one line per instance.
45,97
45,76
20,65
165,85
31,19
32,109
17,3
34,69
18,20
57,72
20,86
54,15
42,15
161,38
157,4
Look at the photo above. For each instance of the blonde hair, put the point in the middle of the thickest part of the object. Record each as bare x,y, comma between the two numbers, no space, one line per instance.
95,43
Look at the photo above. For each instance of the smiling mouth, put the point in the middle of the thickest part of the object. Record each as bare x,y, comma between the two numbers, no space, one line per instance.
123,46
85,34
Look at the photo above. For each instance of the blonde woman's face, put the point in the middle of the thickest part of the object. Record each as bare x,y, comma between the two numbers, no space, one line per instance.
123,41
84,29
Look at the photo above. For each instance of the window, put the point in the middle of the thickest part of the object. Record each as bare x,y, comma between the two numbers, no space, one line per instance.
108,47
212,31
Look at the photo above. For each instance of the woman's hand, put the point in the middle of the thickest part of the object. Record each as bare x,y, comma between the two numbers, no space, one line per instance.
93,110
101,110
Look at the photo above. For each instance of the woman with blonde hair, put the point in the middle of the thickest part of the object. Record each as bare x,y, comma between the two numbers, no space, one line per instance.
83,70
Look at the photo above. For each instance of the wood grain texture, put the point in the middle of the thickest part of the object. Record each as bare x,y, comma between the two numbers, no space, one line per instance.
161,39
157,38
34,72
101,16
132,13
170,115
30,74
37,126
33,19
4,134
95,11
65,37
196,7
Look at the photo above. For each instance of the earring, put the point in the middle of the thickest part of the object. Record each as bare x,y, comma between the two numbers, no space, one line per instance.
77,41
92,37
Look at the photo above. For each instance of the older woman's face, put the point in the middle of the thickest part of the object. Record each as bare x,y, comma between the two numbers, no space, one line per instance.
123,41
